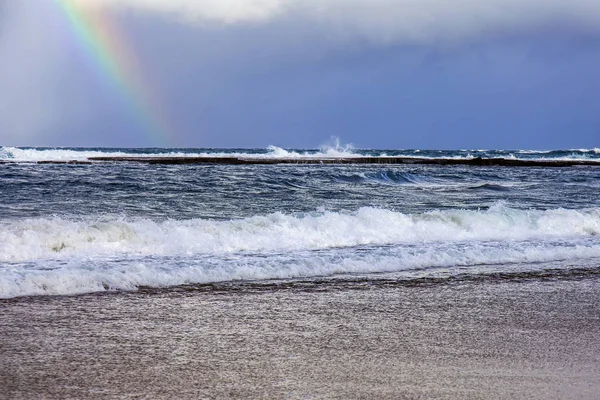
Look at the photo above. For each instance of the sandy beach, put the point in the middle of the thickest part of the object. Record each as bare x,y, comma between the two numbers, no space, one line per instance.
478,339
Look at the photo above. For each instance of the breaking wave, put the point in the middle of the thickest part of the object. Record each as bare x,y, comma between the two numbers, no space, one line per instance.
334,150
33,239
17,154
61,256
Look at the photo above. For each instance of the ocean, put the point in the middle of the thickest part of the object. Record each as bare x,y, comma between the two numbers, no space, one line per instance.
299,274
68,229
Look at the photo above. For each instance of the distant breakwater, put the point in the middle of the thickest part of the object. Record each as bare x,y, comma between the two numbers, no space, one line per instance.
503,162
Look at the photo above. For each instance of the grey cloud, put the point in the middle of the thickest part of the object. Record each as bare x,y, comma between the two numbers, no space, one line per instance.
381,21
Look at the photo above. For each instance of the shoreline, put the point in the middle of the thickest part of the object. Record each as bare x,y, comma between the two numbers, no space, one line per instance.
532,338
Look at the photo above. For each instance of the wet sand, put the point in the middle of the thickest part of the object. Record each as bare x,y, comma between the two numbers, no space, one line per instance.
486,339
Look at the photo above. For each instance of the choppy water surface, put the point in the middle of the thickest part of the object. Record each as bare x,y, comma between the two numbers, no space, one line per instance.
67,229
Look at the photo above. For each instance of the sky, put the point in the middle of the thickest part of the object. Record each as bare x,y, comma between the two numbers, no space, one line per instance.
431,74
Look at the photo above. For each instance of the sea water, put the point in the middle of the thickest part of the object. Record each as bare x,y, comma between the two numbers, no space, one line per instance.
110,226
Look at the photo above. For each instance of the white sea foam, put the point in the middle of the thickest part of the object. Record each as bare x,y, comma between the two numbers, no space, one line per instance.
534,151
92,275
59,256
595,150
332,150
33,239
59,154
17,154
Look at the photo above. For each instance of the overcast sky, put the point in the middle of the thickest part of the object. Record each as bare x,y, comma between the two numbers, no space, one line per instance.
249,73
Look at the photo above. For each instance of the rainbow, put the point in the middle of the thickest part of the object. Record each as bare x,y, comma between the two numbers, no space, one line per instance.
113,59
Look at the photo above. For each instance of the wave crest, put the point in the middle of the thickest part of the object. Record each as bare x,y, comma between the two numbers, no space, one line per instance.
54,238
49,256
